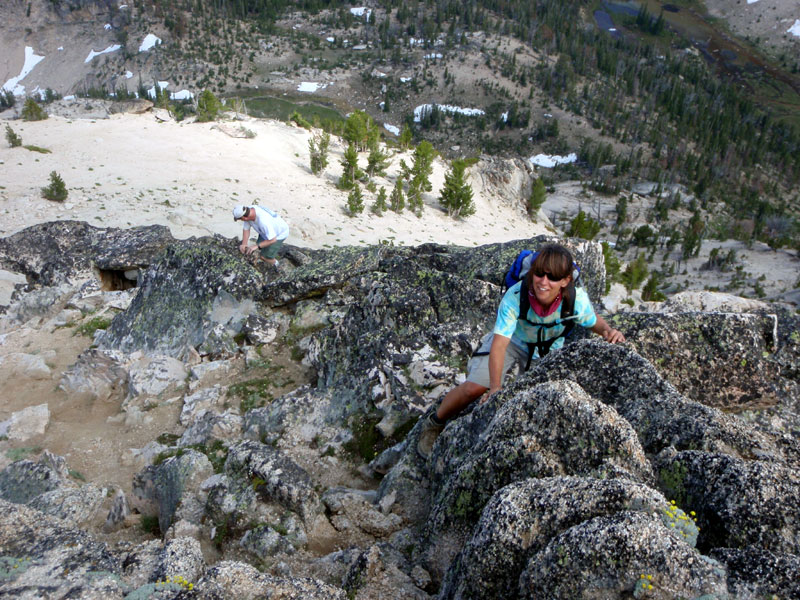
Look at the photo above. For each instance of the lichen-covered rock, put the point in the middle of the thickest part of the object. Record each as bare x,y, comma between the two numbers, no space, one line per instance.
54,252
26,423
96,375
606,557
354,510
263,542
24,480
77,506
238,580
212,427
326,270
685,347
274,476
522,518
618,376
757,573
153,376
738,502
546,430
382,572
164,488
42,557
190,289
180,557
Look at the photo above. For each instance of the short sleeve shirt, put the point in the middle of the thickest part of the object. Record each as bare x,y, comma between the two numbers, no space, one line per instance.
268,224
508,323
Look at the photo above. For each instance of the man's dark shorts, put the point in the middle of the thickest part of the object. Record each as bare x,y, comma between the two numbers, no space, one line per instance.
270,251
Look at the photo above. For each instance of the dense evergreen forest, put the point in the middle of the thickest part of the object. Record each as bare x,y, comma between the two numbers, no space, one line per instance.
642,90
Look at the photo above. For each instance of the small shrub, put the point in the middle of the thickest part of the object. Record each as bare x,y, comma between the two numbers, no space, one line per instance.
149,524
299,120
87,329
31,111
379,207
318,151
355,201
57,190
208,107
38,149
537,198
13,139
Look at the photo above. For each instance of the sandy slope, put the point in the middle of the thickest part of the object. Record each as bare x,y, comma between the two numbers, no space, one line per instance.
133,170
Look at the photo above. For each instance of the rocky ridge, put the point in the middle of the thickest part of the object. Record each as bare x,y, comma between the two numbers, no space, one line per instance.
665,467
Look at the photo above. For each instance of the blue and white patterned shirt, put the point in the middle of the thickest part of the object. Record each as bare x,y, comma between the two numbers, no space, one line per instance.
508,323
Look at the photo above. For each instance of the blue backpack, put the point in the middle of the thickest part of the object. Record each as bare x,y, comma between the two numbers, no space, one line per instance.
517,272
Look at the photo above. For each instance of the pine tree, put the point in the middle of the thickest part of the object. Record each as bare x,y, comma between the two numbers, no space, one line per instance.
378,160
350,170
13,139
379,206
583,226
537,198
318,149
693,237
57,190
456,194
359,129
405,137
31,111
355,201
397,201
208,106
635,273
421,170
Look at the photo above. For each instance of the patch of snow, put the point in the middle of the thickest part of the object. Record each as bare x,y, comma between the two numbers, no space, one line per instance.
182,95
128,74
548,116
331,39
360,47
69,98
612,28
448,108
148,42
405,79
31,60
361,11
162,85
92,53
308,86
504,116
752,1
61,48
551,160
414,42
391,129
433,56
107,26
795,29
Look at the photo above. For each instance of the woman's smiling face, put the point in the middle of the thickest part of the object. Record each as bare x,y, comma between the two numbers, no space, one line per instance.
545,290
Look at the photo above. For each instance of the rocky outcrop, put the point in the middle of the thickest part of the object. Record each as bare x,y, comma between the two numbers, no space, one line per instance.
199,292
605,471
55,252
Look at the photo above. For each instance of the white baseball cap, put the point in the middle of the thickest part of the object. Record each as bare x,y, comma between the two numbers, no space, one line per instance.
239,211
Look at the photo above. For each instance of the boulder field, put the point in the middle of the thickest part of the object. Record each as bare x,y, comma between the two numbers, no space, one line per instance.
665,467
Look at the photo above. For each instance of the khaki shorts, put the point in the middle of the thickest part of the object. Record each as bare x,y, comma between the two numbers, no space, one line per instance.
270,251
478,367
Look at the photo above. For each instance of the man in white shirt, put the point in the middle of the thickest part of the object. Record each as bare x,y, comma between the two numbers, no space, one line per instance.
271,230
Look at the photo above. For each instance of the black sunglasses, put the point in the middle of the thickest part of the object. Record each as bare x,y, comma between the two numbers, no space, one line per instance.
550,276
